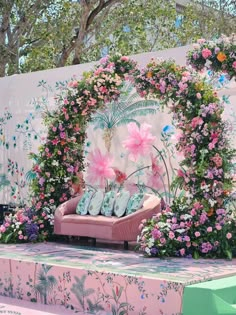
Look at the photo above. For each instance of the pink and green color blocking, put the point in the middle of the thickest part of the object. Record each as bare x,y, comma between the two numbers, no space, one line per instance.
102,281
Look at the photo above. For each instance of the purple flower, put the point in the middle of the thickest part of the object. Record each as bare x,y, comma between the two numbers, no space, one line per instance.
153,251
41,181
31,230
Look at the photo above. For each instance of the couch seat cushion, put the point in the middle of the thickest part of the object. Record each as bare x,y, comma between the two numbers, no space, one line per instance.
88,219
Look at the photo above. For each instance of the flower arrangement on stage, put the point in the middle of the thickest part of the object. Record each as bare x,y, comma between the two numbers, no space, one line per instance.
219,55
197,224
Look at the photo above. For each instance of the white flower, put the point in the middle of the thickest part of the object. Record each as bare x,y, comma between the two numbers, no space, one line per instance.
151,242
196,46
55,163
212,202
148,251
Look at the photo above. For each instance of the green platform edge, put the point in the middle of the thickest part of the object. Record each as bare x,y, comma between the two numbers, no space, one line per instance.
216,297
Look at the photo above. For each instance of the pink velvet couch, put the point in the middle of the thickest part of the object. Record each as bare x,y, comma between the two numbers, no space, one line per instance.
67,222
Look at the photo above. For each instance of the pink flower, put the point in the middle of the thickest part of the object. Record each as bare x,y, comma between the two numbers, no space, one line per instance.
55,141
2,229
100,168
196,121
217,160
180,173
171,235
187,238
20,237
162,240
228,236
179,238
182,251
212,144
197,234
103,90
199,96
104,60
209,229
124,58
201,41
73,84
234,64
206,53
139,141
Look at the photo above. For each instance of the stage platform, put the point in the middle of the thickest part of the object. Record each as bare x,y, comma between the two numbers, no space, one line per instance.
102,281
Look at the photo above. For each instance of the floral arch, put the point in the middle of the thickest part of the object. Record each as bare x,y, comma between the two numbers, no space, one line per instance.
197,224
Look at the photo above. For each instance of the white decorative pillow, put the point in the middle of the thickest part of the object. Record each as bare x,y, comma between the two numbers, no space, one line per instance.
83,204
121,203
96,203
135,203
108,203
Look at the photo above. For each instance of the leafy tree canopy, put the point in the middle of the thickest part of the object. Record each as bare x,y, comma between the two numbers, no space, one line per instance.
43,34
207,19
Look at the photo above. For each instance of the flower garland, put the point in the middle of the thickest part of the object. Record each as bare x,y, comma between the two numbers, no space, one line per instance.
186,227
218,56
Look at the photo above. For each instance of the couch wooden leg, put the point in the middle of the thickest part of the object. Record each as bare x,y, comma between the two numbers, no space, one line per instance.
93,242
126,245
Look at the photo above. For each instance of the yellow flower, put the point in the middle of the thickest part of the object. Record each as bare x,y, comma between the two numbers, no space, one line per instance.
221,56
199,86
149,74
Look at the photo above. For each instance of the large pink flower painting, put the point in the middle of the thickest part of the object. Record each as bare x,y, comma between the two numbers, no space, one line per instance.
139,141
100,168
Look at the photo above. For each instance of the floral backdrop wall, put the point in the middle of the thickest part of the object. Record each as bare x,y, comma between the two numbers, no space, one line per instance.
23,100
67,134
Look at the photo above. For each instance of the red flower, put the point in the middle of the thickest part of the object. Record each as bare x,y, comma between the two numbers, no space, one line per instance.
120,177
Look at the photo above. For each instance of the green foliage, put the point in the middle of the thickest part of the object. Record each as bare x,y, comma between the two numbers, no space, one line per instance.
207,19
51,34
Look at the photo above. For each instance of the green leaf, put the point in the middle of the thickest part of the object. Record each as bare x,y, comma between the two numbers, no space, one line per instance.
229,254
196,255
8,237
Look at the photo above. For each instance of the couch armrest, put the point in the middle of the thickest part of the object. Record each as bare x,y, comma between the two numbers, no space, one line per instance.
67,207
127,228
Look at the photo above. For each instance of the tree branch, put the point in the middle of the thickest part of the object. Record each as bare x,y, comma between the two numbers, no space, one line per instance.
102,5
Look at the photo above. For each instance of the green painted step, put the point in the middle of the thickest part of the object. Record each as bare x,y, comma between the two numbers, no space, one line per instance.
216,297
